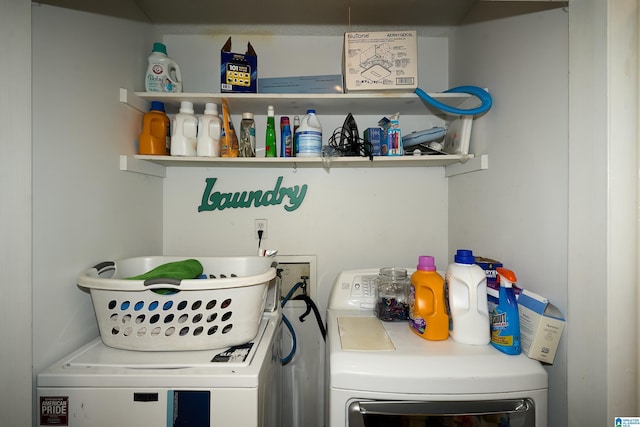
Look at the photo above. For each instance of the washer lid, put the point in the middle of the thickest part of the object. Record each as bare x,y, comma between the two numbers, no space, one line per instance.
426,367
96,365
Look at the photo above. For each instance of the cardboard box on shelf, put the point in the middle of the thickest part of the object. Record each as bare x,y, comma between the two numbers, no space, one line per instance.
381,60
541,326
238,71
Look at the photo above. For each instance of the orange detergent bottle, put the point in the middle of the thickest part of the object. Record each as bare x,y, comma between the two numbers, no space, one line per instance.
428,317
154,138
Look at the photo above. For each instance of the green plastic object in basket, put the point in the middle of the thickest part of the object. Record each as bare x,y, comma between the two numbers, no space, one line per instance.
187,269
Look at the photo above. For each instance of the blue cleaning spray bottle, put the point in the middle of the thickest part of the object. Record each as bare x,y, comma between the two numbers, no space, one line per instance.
505,320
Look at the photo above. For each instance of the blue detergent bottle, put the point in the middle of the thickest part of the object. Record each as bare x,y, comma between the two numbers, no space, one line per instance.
505,320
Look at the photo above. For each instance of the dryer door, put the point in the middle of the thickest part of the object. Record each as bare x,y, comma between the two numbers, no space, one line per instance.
489,413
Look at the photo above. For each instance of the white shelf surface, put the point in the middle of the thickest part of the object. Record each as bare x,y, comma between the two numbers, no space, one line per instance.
155,165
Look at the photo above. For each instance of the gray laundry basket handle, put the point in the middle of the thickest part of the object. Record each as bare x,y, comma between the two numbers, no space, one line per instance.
163,281
105,266
110,266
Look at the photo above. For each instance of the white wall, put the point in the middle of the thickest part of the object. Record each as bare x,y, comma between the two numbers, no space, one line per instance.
350,218
85,209
516,211
602,341
15,213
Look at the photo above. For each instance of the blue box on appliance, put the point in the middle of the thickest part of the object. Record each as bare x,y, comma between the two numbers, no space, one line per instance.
489,266
238,71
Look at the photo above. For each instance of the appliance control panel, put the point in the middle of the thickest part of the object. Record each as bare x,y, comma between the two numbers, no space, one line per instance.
354,290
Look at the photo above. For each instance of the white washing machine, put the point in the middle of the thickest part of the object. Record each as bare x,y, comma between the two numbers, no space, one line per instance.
382,374
100,386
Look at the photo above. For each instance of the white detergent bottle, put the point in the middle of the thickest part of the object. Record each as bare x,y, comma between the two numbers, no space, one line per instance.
466,283
163,74
209,130
184,131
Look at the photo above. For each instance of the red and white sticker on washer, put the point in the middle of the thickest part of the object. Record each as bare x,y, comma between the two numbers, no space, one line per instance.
54,410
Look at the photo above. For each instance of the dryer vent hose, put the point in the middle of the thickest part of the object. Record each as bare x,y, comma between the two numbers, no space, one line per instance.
485,100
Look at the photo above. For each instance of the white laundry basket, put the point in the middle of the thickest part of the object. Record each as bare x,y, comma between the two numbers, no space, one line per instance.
222,309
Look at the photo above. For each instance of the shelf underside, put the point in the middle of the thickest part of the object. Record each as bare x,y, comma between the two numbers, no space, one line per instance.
336,104
285,14
378,161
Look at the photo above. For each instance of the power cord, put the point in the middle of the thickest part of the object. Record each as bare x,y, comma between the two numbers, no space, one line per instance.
260,233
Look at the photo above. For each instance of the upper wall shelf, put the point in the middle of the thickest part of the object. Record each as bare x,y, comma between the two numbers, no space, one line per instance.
405,103
339,104
290,104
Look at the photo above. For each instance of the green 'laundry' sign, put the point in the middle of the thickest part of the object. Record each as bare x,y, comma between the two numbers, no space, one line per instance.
291,197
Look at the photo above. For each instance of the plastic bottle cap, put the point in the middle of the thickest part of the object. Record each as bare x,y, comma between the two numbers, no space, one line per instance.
159,47
270,111
247,116
464,256
186,107
284,120
157,106
508,275
211,108
311,111
426,263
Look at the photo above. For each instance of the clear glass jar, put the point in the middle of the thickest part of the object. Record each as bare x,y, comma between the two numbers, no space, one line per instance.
392,292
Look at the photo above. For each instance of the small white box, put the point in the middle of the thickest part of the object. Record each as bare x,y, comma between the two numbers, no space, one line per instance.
381,60
541,326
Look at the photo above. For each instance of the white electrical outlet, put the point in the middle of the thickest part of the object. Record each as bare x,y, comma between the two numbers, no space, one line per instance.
261,224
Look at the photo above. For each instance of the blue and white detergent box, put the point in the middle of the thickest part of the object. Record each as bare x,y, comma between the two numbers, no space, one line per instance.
391,136
493,284
238,71
489,266
374,137
541,326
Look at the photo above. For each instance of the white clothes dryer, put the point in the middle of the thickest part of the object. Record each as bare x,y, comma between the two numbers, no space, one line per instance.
382,374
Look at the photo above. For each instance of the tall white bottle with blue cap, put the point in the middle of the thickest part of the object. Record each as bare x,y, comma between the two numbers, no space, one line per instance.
466,283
